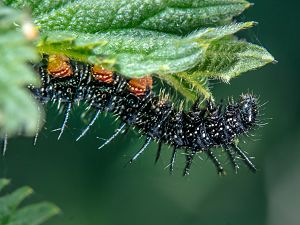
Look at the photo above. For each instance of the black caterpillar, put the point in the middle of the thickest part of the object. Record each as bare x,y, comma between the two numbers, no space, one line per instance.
200,129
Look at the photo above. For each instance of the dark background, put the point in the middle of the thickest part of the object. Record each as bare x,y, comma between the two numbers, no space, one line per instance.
93,187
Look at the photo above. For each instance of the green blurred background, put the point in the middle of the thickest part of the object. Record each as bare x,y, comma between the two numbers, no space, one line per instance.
93,187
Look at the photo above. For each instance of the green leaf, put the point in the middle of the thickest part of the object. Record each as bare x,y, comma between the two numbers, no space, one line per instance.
10,202
226,59
34,214
29,215
168,16
136,53
135,37
18,109
3,183
185,42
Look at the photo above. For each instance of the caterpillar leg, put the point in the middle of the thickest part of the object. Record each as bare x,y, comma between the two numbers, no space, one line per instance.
147,142
158,152
246,159
216,162
89,125
189,159
173,157
4,144
67,113
232,159
117,132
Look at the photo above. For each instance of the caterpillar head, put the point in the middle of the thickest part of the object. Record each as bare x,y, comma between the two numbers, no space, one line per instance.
248,109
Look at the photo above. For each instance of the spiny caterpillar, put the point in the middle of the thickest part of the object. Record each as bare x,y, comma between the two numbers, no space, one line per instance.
199,130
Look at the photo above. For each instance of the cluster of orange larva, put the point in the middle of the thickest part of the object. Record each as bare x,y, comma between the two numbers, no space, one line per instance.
59,67
132,100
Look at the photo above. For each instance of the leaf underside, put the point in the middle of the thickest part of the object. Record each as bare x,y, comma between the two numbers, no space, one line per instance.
184,42
167,38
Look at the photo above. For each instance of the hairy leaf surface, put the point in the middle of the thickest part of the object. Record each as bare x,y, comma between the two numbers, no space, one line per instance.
186,39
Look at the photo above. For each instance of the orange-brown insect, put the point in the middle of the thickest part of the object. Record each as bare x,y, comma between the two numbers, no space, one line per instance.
59,66
101,74
138,86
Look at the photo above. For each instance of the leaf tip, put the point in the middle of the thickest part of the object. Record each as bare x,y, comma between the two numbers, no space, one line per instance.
249,5
54,210
249,24
27,190
4,182
268,58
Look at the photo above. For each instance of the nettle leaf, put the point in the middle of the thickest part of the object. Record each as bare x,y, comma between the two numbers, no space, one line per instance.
224,60
178,40
11,214
168,16
228,58
18,109
136,52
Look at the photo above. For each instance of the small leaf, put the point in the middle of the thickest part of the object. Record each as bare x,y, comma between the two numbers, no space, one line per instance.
18,109
28,215
10,202
226,59
34,214
3,183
